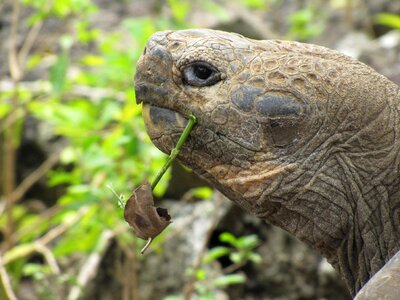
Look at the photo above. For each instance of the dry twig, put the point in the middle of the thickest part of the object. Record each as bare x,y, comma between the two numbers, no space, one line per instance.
34,177
26,250
13,53
91,265
11,119
28,44
49,257
8,163
5,280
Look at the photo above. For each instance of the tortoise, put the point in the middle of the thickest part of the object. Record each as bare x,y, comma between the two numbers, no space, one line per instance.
299,135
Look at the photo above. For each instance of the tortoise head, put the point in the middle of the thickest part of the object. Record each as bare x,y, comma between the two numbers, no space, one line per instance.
297,134
251,120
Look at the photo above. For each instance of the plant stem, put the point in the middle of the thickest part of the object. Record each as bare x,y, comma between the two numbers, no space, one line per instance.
6,282
11,135
147,245
174,153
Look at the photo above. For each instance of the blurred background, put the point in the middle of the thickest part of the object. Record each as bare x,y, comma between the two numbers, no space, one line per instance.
73,147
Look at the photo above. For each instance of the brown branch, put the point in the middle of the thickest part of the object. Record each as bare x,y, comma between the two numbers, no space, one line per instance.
5,280
34,177
234,267
14,66
11,119
9,169
28,44
49,257
60,229
30,248
42,218
89,268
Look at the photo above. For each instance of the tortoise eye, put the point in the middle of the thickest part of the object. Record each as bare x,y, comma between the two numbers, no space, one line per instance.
200,74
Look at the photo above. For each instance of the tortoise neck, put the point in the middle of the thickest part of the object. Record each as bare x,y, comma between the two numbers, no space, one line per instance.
371,239
357,230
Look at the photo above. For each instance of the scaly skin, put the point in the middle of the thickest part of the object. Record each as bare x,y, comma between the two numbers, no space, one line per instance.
297,134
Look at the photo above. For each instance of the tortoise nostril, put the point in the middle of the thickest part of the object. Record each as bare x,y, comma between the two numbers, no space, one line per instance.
145,50
160,52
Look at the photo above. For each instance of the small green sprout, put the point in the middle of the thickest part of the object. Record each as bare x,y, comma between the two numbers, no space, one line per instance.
121,197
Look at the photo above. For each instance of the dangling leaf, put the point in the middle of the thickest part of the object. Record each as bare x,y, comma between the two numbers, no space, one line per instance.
146,220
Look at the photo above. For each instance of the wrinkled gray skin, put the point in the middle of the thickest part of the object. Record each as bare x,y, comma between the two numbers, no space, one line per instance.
299,135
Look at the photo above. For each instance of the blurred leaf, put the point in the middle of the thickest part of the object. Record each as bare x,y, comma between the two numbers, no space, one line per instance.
68,155
173,298
230,279
140,28
59,177
386,19
215,253
37,271
180,9
248,241
200,275
93,60
229,238
45,8
304,24
237,257
85,34
58,72
255,258
4,109
29,221
33,61
255,4
202,192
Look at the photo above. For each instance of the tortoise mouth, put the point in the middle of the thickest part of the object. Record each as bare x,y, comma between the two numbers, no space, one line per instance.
161,117
162,122
165,126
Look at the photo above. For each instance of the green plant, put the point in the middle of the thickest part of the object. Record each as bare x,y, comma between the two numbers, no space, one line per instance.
179,9
304,24
240,250
389,20
255,4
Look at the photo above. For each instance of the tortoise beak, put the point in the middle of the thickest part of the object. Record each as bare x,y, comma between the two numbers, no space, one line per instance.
162,121
153,72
